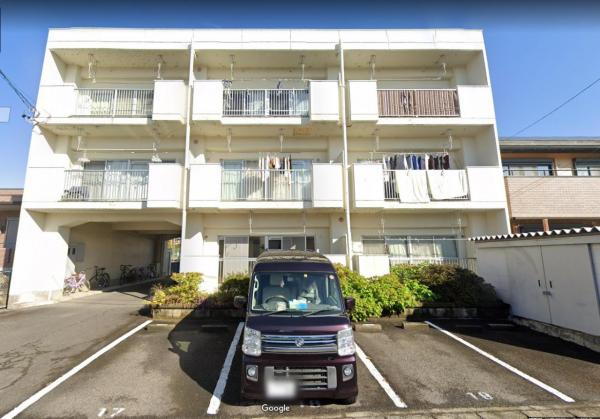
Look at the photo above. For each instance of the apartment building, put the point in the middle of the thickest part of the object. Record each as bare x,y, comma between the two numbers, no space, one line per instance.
373,147
552,183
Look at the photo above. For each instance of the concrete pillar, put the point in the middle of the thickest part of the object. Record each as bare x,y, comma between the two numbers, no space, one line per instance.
194,257
41,261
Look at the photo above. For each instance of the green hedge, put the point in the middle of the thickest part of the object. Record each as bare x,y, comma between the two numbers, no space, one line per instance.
185,290
234,284
381,296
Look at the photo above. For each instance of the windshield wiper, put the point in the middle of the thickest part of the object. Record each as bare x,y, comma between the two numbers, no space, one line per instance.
310,313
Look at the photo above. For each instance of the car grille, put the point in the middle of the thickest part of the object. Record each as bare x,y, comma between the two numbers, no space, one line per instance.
309,378
306,344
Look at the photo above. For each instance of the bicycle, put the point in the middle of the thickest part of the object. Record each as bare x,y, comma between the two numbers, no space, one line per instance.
152,270
101,277
75,282
127,274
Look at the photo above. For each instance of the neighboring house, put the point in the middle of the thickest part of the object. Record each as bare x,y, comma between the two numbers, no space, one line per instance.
552,183
245,140
10,204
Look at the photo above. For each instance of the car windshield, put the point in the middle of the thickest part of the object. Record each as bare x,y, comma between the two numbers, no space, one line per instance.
295,293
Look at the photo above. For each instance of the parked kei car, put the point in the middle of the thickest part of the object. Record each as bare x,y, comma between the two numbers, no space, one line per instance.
298,341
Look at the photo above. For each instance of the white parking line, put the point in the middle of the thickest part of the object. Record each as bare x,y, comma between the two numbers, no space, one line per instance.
509,367
215,400
380,379
37,396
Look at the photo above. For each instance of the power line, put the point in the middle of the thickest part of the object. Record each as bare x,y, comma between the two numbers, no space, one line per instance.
21,95
557,108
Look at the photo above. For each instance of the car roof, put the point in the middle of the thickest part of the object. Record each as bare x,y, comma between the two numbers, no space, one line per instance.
291,256
293,261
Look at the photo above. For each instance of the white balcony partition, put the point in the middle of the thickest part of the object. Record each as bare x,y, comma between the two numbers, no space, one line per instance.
475,102
486,184
164,185
324,100
205,185
368,184
169,100
57,101
363,100
327,189
207,100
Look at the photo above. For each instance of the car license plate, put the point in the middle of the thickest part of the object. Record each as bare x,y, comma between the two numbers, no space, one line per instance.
281,389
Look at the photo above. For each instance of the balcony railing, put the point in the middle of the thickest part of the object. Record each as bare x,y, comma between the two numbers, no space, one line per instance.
465,263
114,102
265,102
456,191
418,102
105,185
266,185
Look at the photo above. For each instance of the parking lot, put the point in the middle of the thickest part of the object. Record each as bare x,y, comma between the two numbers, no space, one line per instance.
167,370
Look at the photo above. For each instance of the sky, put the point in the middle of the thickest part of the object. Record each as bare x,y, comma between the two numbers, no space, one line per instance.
540,53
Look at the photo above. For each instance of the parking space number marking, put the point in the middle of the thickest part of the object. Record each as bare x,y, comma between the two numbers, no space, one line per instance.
480,395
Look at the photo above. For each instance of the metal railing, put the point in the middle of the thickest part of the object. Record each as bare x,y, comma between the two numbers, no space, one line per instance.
266,185
105,185
513,171
465,263
265,102
418,102
114,102
235,265
390,189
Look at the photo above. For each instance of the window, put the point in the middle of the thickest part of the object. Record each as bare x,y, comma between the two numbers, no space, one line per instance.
587,167
527,167
411,248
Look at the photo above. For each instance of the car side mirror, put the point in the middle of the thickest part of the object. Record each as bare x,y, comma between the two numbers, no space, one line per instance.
239,301
349,303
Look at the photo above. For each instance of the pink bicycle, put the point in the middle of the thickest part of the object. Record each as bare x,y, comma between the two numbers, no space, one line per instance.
76,282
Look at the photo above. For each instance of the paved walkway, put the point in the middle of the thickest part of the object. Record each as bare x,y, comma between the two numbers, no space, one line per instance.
38,344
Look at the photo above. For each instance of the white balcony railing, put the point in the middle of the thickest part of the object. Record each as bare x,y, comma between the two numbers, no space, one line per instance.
265,102
266,185
417,102
391,189
465,263
114,102
105,185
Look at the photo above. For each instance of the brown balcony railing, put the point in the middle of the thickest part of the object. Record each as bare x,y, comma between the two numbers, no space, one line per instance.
418,102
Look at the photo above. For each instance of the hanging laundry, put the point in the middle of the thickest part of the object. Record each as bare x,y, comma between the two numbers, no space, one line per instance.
447,184
411,186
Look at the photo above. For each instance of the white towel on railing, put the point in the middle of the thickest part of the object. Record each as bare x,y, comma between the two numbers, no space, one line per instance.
411,185
447,184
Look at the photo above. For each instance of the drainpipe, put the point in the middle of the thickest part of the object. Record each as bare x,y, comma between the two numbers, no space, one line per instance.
346,180
186,163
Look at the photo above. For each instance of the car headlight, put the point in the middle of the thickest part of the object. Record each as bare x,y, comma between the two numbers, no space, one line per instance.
251,345
345,342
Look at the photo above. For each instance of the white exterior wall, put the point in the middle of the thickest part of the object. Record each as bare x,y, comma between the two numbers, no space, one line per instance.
531,275
264,59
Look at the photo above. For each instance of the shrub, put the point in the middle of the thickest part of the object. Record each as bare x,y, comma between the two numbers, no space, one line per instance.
384,295
234,284
186,290
451,284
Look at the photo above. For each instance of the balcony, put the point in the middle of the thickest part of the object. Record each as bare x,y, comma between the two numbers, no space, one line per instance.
470,188
54,188
463,105
105,185
114,102
266,185
266,189
249,106
265,102
417,102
